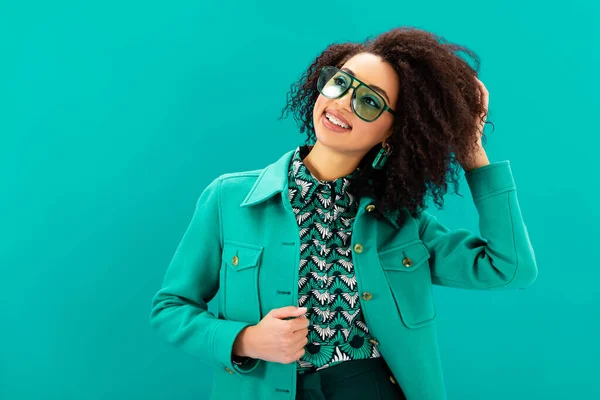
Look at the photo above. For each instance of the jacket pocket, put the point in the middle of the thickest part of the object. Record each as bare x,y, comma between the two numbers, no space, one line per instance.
407,270
239,281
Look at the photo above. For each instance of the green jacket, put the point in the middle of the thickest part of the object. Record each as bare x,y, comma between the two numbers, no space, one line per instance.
247,215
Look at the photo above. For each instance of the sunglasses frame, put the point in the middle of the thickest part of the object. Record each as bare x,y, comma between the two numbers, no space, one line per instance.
353,99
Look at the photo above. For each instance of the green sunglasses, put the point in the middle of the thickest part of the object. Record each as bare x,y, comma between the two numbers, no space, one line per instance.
334,83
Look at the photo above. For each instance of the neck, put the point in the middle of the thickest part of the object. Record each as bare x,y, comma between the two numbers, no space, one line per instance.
327,165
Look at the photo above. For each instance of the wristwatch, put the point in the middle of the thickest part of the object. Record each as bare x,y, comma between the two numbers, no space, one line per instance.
240,360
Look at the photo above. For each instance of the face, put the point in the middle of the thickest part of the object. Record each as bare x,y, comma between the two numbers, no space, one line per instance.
362,135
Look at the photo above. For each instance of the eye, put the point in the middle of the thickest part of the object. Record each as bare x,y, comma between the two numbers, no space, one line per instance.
339,81
371,101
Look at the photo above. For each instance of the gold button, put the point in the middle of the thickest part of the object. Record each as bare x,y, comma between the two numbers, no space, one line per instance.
367,296
235,260
358,248
407,262
392,379
370,207
228,370
374,342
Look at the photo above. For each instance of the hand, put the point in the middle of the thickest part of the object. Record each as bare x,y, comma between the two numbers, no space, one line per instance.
274,338
484,98
478,157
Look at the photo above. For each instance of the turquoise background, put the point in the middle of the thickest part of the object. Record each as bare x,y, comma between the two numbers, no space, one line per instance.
114,116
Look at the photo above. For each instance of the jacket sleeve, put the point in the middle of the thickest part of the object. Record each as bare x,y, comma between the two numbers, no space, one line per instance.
502,257
179,311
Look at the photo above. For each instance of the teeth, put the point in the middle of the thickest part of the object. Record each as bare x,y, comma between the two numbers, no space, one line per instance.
336,121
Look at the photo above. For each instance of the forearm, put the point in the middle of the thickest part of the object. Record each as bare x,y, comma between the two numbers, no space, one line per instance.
502,256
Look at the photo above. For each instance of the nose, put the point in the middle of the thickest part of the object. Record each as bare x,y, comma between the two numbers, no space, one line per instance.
345,100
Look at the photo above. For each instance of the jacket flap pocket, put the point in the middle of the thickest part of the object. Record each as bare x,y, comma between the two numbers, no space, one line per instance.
409,278
240,256
240,299
406,257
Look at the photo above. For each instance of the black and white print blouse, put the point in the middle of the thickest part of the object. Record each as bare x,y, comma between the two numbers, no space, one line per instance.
327,286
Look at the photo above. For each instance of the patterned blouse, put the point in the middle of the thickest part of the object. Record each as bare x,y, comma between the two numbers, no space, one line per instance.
327,286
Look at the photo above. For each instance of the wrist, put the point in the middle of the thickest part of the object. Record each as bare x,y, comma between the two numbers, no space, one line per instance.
478,162
243,342
474,159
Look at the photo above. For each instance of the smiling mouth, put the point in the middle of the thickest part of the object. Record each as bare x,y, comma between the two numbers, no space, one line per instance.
330,126
334,123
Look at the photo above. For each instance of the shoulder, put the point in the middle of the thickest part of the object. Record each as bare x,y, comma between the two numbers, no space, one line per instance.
232,183
240,176
238,180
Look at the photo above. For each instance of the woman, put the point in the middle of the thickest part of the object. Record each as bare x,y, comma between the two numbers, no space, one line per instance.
326,258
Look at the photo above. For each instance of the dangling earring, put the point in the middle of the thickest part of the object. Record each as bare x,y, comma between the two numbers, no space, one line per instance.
381,158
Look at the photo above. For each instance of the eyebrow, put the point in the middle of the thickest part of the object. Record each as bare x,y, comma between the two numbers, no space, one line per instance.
380,90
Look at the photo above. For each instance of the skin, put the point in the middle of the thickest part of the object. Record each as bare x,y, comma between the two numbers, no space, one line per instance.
337,154
478,157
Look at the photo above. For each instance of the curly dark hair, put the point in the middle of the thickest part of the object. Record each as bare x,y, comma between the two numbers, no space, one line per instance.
435,122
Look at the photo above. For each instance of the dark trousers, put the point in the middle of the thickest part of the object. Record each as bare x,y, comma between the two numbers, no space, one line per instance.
357,379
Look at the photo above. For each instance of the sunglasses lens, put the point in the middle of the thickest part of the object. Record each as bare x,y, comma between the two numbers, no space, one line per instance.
332,82
367,103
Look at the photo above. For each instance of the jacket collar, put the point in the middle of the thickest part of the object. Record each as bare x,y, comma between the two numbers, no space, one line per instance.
273,180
